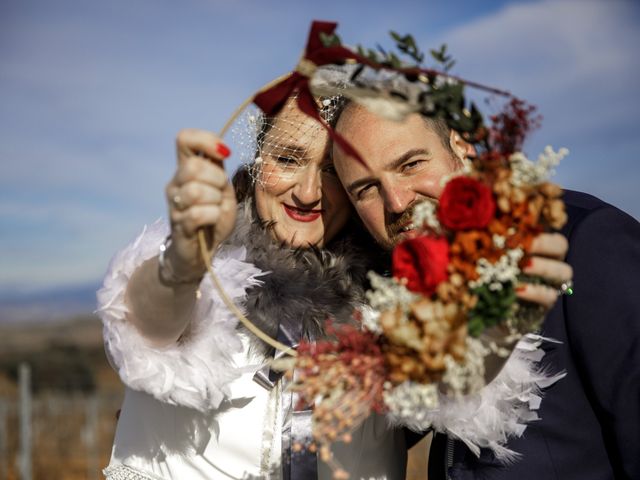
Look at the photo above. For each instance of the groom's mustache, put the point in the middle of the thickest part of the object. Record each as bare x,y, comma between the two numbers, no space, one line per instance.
396,222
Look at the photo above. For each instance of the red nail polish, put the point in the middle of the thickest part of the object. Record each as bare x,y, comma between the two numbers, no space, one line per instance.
521,288
223,150
528,262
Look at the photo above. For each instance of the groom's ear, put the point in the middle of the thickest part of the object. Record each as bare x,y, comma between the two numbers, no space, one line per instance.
461,148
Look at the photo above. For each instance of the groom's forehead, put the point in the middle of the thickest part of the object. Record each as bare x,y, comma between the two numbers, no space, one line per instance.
354,114
356,120
377,135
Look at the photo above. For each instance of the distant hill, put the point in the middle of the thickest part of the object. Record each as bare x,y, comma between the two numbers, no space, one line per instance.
47,304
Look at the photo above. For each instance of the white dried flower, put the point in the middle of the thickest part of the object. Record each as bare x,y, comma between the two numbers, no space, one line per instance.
468,376
425,214
388,294
371,319
442,80
411,403
498,241
526,172
505,270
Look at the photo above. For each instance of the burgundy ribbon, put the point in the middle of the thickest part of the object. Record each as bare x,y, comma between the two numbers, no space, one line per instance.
316,54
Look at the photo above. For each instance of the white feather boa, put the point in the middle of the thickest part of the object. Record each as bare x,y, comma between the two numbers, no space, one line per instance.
487,418
194,372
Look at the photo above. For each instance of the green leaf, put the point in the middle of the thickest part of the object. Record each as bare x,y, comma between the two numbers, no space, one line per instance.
330,40
394,60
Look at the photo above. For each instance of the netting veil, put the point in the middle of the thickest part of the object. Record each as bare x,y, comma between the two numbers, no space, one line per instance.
276,149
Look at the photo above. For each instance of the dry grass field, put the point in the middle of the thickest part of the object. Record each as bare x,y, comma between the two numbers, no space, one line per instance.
75,397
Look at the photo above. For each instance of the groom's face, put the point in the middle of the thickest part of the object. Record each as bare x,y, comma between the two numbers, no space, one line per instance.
405,164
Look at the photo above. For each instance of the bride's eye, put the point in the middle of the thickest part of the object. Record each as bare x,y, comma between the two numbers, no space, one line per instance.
286,161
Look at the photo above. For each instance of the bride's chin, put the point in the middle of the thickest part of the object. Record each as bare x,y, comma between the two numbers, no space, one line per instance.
304,241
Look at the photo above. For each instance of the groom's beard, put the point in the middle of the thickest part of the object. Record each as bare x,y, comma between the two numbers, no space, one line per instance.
396,223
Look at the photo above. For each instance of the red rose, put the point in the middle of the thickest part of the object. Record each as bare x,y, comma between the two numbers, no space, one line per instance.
466,203
422,261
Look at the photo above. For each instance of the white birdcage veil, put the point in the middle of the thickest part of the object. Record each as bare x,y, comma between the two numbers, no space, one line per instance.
276,148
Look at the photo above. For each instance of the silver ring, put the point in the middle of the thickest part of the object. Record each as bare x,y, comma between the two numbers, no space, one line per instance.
566,288
176,200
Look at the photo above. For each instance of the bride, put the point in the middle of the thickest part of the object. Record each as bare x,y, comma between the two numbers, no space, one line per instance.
197,403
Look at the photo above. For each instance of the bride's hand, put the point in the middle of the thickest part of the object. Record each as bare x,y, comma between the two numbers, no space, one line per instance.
199,195
548,251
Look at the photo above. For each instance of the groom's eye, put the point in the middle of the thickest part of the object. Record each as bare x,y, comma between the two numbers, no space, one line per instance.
366,191
413,164
330,169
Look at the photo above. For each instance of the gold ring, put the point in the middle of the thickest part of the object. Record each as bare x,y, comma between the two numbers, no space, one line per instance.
177,202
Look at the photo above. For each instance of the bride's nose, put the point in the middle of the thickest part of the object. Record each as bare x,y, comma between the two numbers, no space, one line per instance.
308,187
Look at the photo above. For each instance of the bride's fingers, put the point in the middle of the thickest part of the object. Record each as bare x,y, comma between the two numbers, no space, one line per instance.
196,193
196,217
553,271
553,245
202,170
193,142
540,294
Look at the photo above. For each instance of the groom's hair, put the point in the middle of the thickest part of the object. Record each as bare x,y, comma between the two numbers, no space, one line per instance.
436,124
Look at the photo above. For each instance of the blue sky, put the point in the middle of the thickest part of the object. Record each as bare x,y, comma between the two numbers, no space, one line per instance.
93,93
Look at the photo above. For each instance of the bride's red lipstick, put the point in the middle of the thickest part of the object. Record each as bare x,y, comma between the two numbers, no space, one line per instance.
302,214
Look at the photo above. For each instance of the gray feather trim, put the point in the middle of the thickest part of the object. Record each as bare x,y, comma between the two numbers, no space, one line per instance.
302,285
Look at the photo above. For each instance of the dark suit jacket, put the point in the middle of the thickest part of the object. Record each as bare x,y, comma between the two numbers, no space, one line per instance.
590,420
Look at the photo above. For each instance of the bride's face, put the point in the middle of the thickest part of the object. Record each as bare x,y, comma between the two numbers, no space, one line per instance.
297,190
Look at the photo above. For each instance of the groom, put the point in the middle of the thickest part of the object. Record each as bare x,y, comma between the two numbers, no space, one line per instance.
590,421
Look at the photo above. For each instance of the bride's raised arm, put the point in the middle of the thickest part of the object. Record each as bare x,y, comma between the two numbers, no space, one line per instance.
162,291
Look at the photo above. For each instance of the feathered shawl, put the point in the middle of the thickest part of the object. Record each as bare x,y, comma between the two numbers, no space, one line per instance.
272,283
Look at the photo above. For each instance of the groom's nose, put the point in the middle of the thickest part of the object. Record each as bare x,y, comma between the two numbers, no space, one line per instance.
397,198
